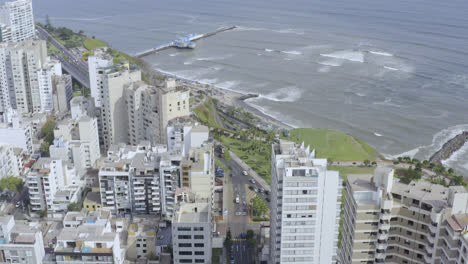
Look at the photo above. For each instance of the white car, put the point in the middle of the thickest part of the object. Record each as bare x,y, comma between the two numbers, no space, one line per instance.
252,181
245,173
237,199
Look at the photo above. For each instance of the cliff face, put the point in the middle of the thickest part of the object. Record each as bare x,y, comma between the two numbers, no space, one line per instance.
449,148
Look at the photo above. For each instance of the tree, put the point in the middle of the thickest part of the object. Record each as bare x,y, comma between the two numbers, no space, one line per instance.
151,256
228,244
366,162
250,234
42,213
259,206
48,127
74,207
11,183
450,171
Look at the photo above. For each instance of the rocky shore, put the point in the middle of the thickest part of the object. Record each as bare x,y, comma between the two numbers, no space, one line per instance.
449,148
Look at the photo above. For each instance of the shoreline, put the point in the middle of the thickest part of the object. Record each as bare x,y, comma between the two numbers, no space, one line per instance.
229,97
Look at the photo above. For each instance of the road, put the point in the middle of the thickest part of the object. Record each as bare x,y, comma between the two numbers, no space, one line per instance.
238,218
241,252
74,65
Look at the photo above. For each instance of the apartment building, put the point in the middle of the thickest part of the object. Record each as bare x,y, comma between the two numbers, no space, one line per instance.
386,221
87,237
17,21
305,206
53,185
174,102
182,135
100,59
143,118
114,116
46,76
82,106
16,132
141,238
62,92
140,179
20,242
8,162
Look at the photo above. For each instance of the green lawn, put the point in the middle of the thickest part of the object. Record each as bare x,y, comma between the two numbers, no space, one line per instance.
256,153
92,43
206,115
332,144
345,170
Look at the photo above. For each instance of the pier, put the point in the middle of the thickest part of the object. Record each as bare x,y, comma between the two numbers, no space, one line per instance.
185,42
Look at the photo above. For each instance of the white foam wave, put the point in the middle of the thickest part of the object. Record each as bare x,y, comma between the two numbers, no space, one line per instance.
228,85
438,140
457,156
287,94
360,94
355,56
266,112
289,31
188,62
214,58
292,52
381,53
387,102
208,81
324,69
390,68
269,50
282,31
377,134
332,63
174,54
81,18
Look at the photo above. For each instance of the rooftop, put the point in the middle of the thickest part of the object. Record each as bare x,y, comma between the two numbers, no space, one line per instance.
192,213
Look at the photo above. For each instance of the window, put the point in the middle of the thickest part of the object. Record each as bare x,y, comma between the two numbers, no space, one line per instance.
185,245
411,223
199,253
184,237
185,261
199,245
138,245
198,236
199,261
180,228
198,229
185,253
409,233
406,251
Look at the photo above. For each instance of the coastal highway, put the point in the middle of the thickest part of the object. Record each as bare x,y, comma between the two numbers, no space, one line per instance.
73,64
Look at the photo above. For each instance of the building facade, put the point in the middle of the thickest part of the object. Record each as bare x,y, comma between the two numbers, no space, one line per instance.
100,59
386,221
305,206
140,179
63,92
20,243
17,21
17,133
8,162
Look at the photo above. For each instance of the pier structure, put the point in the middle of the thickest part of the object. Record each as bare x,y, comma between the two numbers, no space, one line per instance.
186,42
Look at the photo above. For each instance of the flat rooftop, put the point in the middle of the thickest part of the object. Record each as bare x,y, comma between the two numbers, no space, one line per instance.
192,213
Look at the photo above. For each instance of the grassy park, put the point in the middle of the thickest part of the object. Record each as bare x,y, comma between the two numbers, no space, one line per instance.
333,145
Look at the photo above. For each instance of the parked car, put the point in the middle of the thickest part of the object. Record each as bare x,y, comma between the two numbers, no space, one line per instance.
252,181
245,173
255,189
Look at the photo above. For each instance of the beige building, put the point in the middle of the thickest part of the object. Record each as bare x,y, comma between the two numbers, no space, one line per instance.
114,117
62,92
386,221
173,103
141,238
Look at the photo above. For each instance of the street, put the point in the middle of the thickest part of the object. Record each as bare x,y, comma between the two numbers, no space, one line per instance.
238,218
75,66
241,252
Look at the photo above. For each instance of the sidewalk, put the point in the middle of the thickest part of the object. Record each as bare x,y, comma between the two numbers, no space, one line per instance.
251,172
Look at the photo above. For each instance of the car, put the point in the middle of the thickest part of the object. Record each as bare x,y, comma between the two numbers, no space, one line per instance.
267,192
18,204
251,187
261,190
252,181
255,189
237,199
245,173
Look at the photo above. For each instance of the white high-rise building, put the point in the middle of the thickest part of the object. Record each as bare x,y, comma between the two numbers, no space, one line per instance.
17,21
45,79
82,106
78,140
53,185
8,162
17,133
305,207
114,116
100,59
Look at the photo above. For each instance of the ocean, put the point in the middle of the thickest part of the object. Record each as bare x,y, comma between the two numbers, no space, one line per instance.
393,73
